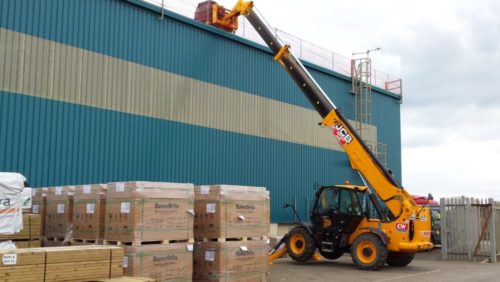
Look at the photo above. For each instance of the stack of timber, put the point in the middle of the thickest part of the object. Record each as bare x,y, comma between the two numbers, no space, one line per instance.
77,263
29,236
231,228
154,223
59,215
89,208
127,279
39,206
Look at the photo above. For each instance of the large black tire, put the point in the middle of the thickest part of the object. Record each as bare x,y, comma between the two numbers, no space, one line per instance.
300,244
368,252
399,259
332,255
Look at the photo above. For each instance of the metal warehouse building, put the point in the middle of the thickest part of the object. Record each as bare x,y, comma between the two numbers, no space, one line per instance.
94,91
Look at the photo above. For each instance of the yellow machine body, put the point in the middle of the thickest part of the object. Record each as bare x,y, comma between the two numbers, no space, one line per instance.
405,227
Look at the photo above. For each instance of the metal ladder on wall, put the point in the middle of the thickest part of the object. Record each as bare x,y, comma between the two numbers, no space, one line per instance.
361,72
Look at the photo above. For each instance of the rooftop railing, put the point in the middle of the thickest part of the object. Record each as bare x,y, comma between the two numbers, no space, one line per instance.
303,49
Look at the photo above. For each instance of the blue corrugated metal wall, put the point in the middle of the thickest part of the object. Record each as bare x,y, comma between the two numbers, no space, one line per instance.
58,143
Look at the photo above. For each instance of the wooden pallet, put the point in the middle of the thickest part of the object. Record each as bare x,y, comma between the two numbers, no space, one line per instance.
54,239
142,243
87,241
242,239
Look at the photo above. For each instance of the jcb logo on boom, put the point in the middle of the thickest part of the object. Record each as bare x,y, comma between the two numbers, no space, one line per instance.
341,133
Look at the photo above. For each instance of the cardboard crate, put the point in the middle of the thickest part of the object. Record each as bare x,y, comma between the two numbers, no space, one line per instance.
230,261
172,262
39,206
89,208
149,211
61,264
59,214
31,229
223,211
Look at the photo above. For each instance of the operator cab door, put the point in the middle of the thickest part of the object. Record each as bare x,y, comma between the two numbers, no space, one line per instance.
338,210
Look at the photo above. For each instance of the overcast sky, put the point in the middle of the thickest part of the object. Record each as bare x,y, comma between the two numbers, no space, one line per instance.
448,54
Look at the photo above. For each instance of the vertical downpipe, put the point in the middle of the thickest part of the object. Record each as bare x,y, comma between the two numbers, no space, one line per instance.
162,7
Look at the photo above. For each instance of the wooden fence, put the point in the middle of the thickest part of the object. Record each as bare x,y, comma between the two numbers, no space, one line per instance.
470,229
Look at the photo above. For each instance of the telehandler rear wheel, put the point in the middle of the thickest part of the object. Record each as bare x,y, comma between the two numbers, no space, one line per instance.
301,245
399,259
368,252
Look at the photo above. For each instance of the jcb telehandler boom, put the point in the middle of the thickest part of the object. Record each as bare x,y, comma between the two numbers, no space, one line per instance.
340,220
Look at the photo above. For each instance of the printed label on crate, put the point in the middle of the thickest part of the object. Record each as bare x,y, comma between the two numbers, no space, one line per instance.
120,187
58,190
209,255
35,209
125,207
204,190
86,189
189,247
60,208
125,262
211,208
9,259
90,208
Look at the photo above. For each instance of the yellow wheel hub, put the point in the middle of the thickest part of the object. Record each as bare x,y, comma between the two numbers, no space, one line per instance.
366,252
297,244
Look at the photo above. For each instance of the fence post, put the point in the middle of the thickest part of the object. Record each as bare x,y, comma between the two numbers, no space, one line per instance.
469,228
444,237
493,238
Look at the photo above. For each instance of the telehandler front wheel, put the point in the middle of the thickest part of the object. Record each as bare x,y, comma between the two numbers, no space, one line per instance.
301,245
368,252
399,259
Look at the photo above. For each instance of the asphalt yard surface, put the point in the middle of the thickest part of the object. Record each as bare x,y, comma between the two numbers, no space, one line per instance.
424,268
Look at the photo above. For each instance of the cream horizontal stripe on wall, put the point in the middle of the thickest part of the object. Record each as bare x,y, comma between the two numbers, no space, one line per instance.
42,68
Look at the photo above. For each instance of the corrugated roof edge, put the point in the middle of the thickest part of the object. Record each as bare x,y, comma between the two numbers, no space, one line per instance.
167,13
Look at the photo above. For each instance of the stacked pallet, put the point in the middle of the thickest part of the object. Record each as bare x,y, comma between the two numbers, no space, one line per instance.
59,215
231,228
80,263
89,207
29,236
39,206
154,223
127,279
